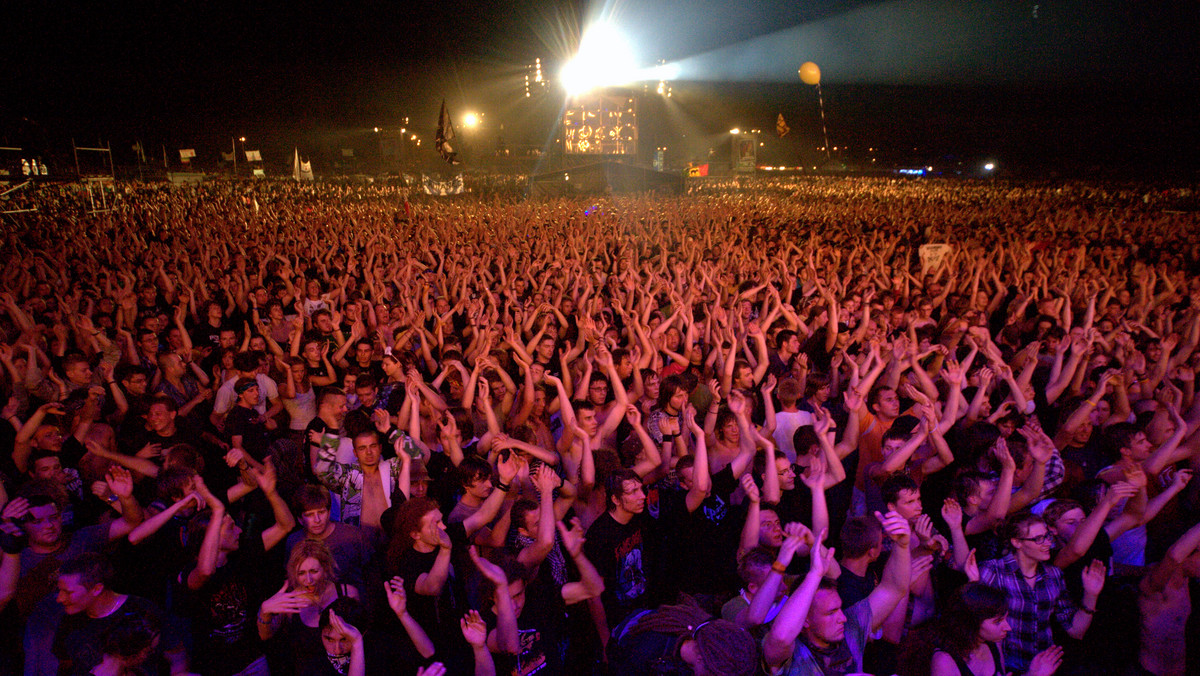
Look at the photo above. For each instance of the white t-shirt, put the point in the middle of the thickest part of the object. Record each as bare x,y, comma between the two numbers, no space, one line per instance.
267,390
786,424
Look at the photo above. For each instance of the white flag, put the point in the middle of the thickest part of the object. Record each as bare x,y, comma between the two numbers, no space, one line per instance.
253,156
187,153
932,256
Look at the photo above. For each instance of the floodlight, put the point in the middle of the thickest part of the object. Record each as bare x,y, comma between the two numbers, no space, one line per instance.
470,119
735,131
989,166
604,59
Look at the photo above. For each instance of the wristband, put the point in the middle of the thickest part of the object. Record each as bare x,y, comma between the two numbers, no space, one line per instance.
1089,611
11,544
669,437
778,567
501,486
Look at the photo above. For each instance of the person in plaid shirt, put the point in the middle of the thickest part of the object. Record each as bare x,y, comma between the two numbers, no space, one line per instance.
1037,594
365,487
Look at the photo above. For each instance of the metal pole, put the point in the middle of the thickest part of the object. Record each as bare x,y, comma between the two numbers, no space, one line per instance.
824,132
233,142
75,149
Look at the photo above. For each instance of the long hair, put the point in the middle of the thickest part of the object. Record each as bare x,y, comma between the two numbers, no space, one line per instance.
406,521
725,648
956,629
311,549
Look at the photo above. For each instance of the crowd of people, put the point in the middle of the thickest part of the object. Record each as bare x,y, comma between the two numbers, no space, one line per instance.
756,429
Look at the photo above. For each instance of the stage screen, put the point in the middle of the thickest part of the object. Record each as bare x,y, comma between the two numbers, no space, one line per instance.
600,124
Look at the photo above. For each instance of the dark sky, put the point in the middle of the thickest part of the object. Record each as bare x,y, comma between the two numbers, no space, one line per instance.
1086,81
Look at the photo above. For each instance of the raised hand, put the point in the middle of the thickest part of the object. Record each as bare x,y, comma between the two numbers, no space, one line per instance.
572,538
1046,662
768,385
798,539
821,558
971,567
923,528
474,630
287,603
545,479
234,457
750,488
344,628
119,480
492,572
814,476
896,527
397,598
383,422
1093,577
952,513
264,475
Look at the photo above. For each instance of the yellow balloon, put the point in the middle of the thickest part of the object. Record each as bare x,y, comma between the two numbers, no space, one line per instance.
809,73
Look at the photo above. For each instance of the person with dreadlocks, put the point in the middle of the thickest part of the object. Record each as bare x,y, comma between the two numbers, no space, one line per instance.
681,639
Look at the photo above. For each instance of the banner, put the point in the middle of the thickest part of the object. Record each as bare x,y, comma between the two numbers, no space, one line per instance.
745,152
187,153
932,256
433,186
781,127
698,171
445,134
226,157
301,171
253,156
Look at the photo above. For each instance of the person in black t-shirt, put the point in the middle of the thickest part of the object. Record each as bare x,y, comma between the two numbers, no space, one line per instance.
616,544
538,608
423,550
91,610
226,584
244,426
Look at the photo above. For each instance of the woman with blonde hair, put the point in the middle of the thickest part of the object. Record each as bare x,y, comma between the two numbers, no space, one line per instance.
292,617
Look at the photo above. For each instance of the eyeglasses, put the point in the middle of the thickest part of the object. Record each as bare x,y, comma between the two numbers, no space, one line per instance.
1044,538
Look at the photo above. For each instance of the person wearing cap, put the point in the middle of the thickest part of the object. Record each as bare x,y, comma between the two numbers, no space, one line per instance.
244,426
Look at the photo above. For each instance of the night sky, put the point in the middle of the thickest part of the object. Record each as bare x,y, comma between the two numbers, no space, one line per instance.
1077,85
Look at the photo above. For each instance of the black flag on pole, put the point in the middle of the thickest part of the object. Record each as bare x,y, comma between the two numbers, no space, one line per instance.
445,134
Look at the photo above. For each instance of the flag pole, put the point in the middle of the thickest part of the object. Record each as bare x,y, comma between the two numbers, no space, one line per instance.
824,131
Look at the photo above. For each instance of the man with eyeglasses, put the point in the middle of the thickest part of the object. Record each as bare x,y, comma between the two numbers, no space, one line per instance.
1037,593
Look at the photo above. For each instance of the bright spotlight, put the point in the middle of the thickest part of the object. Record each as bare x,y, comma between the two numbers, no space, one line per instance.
735,130
470,119
989,166
604,59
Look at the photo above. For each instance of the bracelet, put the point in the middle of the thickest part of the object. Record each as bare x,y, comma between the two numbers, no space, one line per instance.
1089,611
778,567
501,486
1089,401
669,437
